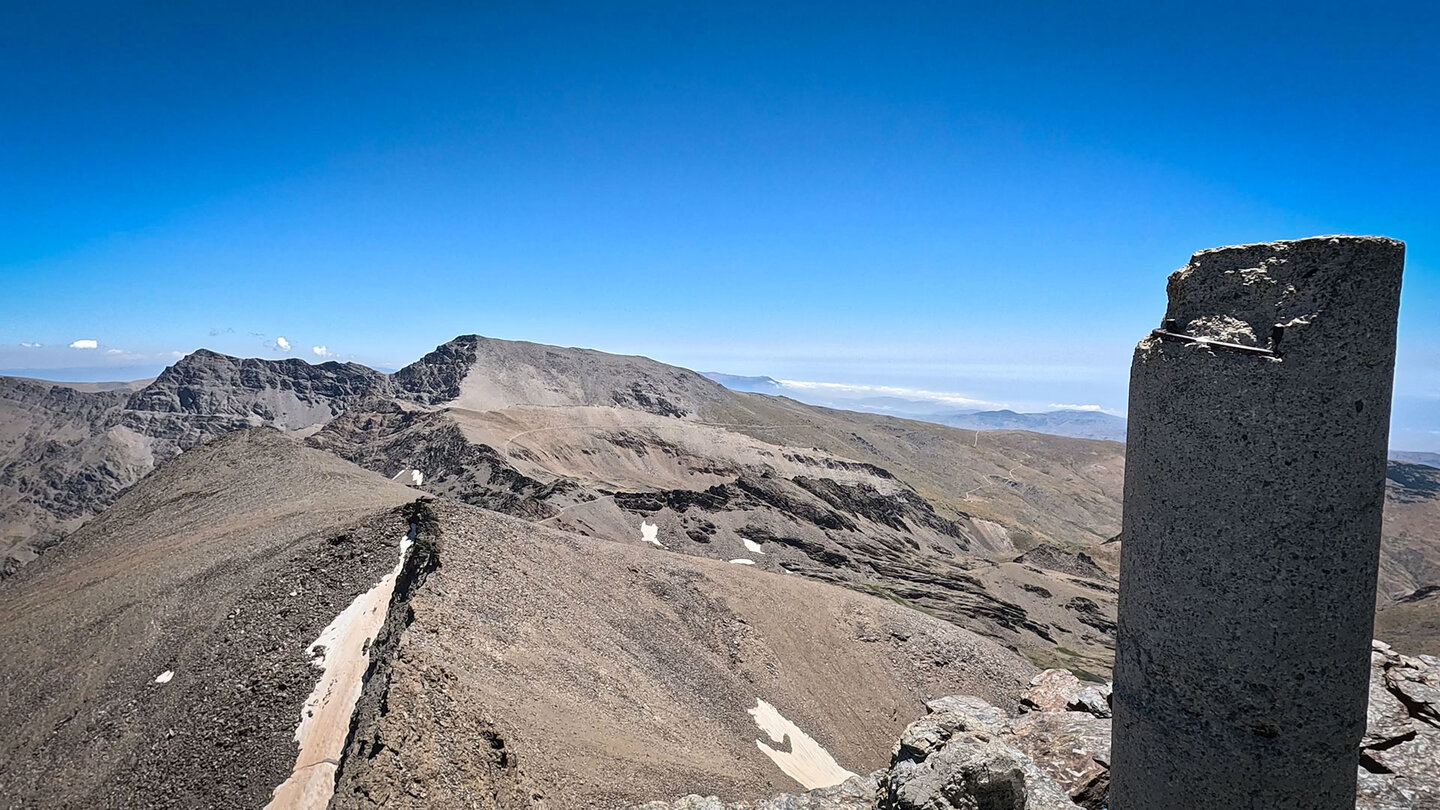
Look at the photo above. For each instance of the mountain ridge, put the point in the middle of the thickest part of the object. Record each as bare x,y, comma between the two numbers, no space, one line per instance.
937,517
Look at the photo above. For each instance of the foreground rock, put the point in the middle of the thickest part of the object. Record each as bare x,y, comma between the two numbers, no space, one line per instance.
1055,751
1400,753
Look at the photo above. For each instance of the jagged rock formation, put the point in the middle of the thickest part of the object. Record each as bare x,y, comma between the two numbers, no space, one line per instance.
1075,563
66,454
954,758
286,394
1400,753
58,464
484,374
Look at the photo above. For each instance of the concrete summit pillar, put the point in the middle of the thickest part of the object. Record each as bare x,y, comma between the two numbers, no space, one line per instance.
1254,482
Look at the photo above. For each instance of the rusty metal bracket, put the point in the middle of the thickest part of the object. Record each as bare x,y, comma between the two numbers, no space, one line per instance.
1170,330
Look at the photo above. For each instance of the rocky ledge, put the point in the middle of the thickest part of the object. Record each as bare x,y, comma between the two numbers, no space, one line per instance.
1054,752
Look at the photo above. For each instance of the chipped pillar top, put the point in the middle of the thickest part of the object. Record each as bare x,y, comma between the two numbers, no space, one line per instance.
1238,294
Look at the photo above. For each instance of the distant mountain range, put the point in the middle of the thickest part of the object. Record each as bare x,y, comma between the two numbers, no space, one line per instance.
1428,459
1080,424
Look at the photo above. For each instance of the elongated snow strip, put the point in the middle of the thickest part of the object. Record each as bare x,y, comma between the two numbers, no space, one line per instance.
343,653
807,762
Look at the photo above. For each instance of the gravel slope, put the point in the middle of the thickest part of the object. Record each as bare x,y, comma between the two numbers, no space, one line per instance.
591,673
219,568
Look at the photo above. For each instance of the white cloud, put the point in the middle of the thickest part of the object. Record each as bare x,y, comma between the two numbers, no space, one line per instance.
321,351
282,344
114,351
25,345
1075,407
85,344
177,355
850,390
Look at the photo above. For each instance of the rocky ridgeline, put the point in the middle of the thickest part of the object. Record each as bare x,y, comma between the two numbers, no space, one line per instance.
68,454
286,394
1054,753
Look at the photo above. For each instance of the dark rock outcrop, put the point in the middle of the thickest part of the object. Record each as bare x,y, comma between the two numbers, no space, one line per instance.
388,438
955,759
1054,558
287,394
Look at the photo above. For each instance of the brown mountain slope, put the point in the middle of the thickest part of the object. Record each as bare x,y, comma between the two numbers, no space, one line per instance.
1409,599
219,569
159,656
606,672
927,515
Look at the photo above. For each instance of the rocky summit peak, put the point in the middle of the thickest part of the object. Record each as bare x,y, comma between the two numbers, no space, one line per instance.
289,393
481,373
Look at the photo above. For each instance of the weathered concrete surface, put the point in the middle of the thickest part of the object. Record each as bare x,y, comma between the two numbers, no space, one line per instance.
1253,494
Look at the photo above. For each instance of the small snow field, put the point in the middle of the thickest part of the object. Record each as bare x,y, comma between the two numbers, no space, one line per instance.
648,533
806,762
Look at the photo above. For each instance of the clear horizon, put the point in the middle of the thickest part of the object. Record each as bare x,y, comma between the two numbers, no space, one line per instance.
978,202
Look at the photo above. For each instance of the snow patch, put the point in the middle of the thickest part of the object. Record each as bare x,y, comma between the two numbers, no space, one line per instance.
648,532
413,478
165,676
752,546
807,762
342,652
743,561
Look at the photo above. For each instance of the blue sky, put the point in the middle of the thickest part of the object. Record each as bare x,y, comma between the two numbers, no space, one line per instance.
974,199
